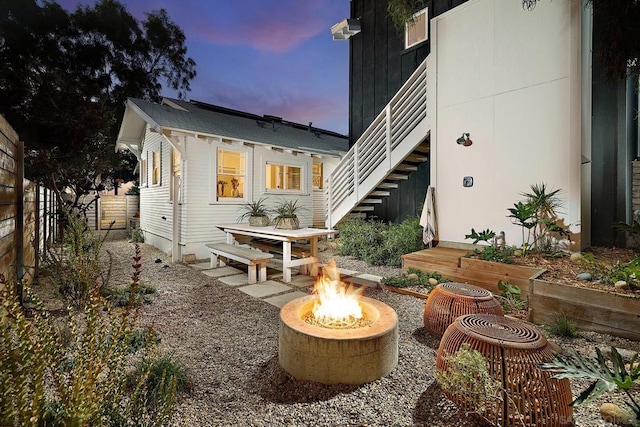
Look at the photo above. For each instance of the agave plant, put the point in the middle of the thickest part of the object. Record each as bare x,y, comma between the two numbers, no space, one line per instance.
606,378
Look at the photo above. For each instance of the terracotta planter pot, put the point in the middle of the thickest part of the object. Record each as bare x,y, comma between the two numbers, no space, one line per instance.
259,221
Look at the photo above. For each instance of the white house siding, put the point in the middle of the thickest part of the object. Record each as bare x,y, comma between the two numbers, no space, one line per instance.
154,199
508,77
202,212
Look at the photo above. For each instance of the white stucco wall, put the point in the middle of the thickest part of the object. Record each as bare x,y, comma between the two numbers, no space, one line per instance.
509,78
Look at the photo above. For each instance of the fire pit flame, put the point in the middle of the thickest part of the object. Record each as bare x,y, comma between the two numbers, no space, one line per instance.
336,305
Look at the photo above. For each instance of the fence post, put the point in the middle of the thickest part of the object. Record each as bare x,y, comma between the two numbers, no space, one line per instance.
19,234
36,237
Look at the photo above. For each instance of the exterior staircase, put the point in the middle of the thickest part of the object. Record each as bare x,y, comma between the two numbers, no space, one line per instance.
390,149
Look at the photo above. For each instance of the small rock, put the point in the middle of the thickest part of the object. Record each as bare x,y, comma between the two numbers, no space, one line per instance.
413,276
432,281
576,256
584,276
158,261
614,414
621,284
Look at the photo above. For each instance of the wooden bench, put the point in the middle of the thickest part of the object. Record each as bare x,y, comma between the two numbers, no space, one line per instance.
254,259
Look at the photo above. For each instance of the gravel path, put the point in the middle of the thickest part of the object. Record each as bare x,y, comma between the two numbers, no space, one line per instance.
229,341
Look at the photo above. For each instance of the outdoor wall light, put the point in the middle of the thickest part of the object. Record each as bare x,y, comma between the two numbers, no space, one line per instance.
464,140
345,29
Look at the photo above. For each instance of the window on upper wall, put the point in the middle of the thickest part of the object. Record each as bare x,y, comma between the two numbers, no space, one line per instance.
317,176
231,174
416,30
283,177
175,172
155,169
143,172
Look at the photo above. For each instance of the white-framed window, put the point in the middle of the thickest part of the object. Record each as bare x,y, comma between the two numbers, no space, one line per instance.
317,176
283,177
155,168
417,29
231,174
176,165
143,172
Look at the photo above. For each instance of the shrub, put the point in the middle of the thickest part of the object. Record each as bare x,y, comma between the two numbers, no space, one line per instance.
467,375
44,382
563,326
619,376
119,297
358,236
496,254
75,267
378,243
162,378
397,240
414,277
511,297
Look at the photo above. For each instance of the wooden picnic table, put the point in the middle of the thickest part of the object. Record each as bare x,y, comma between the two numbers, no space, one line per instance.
287,237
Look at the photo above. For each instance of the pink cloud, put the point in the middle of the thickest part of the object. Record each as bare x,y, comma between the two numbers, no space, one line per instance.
265,25
324,112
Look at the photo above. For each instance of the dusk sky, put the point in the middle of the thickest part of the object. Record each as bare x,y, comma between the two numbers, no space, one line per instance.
263,56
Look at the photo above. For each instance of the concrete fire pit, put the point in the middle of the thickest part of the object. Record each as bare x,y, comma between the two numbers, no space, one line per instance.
330,356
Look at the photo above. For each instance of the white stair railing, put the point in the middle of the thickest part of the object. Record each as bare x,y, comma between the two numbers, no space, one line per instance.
383,145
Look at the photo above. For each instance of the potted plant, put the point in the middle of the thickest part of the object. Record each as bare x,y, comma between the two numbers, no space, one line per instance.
286,215
256,212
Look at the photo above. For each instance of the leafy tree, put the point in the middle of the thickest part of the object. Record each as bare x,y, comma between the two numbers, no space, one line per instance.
65,79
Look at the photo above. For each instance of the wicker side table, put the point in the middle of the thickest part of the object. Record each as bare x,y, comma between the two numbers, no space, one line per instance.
512,350
450,300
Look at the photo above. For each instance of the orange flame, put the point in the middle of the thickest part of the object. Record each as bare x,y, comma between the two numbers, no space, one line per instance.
336,303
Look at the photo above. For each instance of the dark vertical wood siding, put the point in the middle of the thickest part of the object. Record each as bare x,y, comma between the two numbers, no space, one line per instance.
379,65
379,62
614,145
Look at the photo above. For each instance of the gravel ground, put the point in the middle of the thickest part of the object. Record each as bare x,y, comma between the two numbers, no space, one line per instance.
229,342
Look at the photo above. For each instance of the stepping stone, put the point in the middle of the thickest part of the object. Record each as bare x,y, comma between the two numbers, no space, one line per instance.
221,272
264,289
236,280
368,280
302,281
201,266
345,272
281,300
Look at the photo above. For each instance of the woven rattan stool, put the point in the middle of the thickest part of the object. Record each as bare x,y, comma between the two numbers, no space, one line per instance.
512,350
450,300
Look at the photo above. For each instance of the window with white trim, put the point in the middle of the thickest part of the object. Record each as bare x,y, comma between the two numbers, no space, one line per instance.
155,168
417,29
283,177
231,174
317,176
176,161
143,172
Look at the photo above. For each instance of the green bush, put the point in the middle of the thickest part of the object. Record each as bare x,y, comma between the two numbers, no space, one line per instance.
162,378
76,267
378,243
563,326
358,236
119,296
414,277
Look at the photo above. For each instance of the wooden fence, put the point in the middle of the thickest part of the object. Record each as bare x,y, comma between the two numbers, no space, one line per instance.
28,212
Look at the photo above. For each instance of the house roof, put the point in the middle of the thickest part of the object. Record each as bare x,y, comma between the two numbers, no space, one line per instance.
206,119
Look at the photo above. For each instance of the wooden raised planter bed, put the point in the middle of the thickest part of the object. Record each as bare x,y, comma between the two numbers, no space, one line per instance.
592,309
